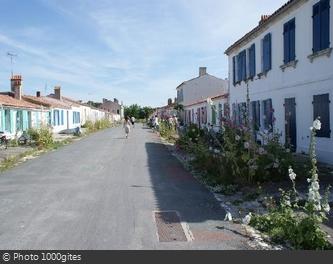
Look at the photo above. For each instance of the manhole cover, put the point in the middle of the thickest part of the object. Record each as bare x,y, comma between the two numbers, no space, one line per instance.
169,227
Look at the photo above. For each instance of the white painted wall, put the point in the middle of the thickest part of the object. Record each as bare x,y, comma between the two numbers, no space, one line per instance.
303,82
202,87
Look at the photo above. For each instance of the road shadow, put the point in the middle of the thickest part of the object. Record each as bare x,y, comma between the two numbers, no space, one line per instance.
177,190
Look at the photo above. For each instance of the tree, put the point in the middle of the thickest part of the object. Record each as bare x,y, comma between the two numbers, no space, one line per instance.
133,111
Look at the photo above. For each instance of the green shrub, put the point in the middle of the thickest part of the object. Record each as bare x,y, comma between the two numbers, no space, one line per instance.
42,137
293,221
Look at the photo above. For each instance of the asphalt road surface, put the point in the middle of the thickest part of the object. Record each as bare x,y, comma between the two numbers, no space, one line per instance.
102,192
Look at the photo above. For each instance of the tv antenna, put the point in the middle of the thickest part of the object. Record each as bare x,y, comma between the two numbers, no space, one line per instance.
11,55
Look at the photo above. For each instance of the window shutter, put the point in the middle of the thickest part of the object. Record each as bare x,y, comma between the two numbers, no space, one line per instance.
325,24
316,27
234,69
258,114
292,36
321,108
267,53
252,61
269,40
286,40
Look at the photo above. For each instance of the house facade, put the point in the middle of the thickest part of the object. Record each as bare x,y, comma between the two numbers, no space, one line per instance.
193,95
208,112
114,108
56,116
16,114
284,66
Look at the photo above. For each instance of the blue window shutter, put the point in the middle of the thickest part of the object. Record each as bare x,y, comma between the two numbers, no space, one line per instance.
316,27
244,65
286,40
321,109
267,53
239,68
234,69
269,40
292,34
252,60
325,24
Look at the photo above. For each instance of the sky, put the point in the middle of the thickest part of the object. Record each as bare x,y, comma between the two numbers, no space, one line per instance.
137,51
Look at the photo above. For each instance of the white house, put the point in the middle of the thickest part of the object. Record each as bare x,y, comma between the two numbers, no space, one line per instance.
57,116
193,95
208,112
286,65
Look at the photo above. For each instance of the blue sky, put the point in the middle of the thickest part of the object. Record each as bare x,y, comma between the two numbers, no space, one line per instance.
138,51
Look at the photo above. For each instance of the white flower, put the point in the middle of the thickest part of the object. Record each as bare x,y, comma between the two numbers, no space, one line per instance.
228,217
193,130
216,151
292,174
326,208
288,150
246,145
237,138
247,219
315,186
309,180
210,101
261,151
317,125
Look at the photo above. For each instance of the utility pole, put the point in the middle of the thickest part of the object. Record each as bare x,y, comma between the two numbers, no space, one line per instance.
11,55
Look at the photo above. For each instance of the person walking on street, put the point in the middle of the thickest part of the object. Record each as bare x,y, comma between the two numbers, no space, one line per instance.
127,126
133,121
156,123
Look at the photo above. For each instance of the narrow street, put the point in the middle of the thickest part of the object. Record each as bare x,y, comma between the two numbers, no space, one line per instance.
103,192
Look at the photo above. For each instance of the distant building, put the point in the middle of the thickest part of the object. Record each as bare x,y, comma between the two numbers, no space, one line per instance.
112,107
166,111
193,94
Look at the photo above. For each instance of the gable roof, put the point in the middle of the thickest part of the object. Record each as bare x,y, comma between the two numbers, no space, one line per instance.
196,78
7,100
221,96
262,25
46,101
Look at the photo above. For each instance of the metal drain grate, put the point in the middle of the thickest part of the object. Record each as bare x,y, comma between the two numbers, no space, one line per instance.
169,227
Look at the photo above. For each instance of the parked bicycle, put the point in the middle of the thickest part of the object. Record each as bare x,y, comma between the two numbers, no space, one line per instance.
4,139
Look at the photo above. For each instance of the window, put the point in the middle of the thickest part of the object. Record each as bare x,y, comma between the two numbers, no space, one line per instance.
267,53
241,113
289,41
76,117
321,25
56,117
8,126
220,114
241,66
321,109
252,61
62,117
180,97
19,120
49,119
255,114
213,116
268,114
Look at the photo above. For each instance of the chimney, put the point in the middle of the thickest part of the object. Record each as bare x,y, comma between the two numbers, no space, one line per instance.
38,94
169,101
16,86
202,71
263,19
115,100
105,100
57,92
